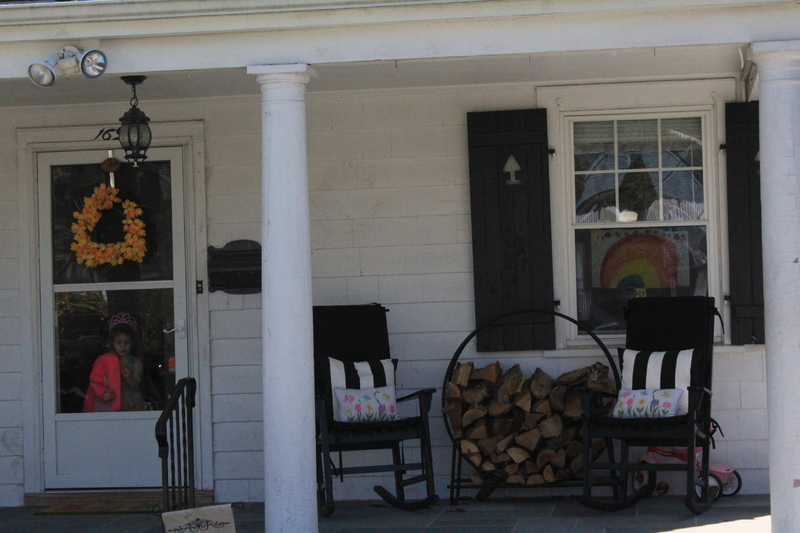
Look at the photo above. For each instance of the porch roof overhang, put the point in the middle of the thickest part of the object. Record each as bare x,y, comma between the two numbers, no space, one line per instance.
117,18
202,48
606,66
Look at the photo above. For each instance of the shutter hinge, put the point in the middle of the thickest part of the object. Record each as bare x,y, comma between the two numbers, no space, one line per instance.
551,151
556,303
722,147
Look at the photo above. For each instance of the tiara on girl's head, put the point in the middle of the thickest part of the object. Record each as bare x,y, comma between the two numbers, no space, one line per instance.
122,318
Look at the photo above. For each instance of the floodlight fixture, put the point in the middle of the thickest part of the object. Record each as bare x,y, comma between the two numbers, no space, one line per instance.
93,63
42,73
69,61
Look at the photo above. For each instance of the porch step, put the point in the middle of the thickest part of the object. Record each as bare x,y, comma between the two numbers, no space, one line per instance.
130,496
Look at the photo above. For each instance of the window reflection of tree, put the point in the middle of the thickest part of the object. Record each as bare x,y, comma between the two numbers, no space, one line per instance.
636,190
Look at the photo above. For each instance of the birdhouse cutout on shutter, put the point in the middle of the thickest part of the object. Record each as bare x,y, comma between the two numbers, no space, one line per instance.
512,167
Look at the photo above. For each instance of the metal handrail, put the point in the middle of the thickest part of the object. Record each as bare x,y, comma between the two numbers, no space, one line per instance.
175,436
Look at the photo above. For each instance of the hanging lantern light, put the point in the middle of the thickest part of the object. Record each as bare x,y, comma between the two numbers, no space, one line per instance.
134,132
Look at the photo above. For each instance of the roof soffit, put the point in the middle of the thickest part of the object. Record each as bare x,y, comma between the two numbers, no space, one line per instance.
98,19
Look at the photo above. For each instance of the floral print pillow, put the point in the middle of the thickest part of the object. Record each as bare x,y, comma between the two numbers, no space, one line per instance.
375,404
647,403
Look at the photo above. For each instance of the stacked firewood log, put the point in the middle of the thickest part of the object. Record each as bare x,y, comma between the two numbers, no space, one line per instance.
521,430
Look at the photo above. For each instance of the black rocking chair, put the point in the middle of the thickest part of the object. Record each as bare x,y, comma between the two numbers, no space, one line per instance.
656,325
351,335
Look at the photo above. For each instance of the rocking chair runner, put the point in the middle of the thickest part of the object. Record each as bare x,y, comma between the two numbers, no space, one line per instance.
656,325
358,334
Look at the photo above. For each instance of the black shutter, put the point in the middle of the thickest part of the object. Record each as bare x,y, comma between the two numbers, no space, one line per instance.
744,223
512,249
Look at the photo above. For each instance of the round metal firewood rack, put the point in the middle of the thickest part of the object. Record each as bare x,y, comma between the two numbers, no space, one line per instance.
457,481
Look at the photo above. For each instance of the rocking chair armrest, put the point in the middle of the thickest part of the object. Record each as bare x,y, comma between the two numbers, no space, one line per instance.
424,396
587,397
319,404
320,415
698,397
704,390
698,394
417,394
593,392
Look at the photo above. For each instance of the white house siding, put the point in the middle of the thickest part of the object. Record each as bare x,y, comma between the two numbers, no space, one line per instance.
11,450
740,406
233,188
14,341
390,223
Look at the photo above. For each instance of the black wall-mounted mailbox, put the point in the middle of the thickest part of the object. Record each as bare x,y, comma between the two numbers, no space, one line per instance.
235,268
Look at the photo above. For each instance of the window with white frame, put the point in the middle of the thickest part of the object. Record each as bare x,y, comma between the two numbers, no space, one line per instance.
639,224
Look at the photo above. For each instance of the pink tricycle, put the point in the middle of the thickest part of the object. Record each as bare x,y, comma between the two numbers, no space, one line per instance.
720,475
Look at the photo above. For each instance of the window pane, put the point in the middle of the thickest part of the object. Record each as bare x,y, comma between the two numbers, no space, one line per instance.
638,193
595,198
681,142
148,186
638,144
594,146
616,264
81,326
683,195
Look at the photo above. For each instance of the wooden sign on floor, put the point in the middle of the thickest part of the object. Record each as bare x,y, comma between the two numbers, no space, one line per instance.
217,518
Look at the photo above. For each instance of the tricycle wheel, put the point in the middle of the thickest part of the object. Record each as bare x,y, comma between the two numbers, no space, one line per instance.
644,478
714,484
734,484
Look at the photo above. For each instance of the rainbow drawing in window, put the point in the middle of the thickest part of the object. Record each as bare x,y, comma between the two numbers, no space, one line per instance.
640,259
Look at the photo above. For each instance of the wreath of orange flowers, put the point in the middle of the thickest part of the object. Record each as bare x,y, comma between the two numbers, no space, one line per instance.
94,254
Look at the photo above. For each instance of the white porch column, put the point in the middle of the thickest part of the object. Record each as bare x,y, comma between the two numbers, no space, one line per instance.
779,137
288,366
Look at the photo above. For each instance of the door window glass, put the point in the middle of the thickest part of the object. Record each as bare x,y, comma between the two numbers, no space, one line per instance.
82,320
77,244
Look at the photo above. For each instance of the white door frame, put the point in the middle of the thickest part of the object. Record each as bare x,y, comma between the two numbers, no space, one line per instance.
30,142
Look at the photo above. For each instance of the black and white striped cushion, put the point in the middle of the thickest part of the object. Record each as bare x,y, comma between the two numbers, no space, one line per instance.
658,370
359,375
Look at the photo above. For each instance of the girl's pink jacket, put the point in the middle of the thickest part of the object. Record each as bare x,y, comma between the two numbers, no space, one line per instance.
105,377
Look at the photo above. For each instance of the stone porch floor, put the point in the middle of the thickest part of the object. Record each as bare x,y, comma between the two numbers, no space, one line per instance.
657,514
